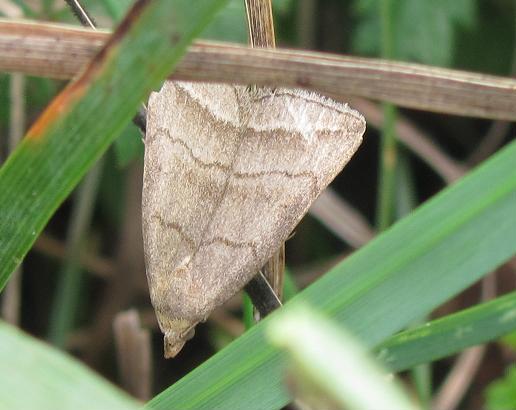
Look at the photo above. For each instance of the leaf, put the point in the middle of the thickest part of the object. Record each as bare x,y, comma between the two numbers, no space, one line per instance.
434,253
331,369
450,334
87,116
424,30
230,25
489,47
501,394
36,376
510,340
128,146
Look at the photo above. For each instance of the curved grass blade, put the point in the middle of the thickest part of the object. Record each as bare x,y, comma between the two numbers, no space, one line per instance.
441,248
329,368
36,376
88,115
450,334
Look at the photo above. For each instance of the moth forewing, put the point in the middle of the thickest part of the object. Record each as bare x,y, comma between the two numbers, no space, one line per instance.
228,175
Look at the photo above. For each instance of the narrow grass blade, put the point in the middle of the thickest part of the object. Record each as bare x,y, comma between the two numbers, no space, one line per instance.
450,334
36,376
330,368
87,116
438,250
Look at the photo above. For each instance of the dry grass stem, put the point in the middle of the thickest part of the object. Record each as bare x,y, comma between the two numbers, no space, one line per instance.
11,301
342,219
130,270
490,143
54,248
61,51
133,348
459,379
10,9
415,140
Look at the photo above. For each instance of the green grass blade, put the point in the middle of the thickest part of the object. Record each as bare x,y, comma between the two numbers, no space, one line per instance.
330,368
450,334
88,115
36,376
438,250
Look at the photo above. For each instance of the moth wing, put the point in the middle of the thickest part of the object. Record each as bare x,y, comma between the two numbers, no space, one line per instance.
186,169
293,145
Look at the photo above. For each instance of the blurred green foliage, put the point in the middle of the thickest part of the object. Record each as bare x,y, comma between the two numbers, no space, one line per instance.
501,394
425,31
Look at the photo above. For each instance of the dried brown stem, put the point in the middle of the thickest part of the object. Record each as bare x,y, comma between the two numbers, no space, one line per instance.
57,249
490,143
414,139
342,219
11,300
133,345
260,23
10,9
266,288
129,268
61,51
459,379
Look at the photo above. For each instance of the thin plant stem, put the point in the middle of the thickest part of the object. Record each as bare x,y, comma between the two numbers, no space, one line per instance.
306,23
81,13
290,288
388,149
260,24
407,201
67,296
387,170
11,301
248,311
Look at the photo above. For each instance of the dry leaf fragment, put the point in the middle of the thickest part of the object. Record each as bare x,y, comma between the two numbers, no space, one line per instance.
229,172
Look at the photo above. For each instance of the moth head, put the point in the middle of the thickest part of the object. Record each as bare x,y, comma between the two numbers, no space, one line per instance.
175,339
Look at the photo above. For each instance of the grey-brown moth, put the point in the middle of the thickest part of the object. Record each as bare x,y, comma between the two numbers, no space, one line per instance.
229,172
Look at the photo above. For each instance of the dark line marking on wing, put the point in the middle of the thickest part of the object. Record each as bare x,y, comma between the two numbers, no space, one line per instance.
231,244
176,227
197,160
229,170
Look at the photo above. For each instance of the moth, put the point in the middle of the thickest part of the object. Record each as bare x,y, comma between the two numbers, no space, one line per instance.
229,172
